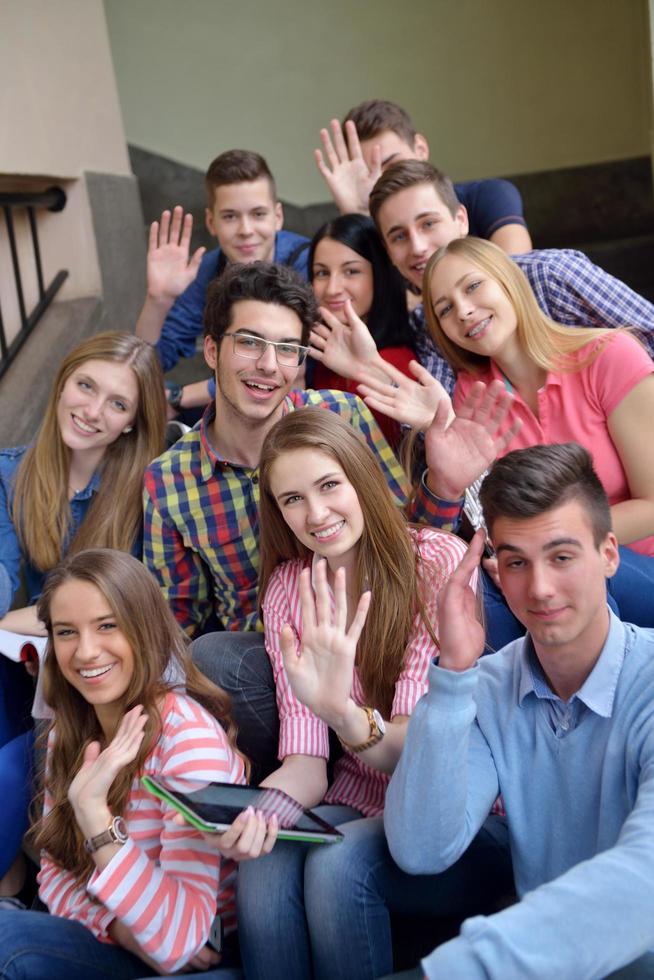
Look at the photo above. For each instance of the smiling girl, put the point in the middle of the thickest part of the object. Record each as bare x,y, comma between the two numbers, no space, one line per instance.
351,274
594,387
131,892
78,485
349,607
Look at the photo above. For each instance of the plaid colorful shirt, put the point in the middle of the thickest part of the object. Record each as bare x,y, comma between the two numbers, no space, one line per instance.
201,518
571,290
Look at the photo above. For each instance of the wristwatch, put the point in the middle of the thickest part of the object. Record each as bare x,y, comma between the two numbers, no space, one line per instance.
116,833
377,732
174,394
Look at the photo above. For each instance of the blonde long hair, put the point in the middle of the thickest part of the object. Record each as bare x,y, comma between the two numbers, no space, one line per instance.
387,559
160,650
41,510
549,344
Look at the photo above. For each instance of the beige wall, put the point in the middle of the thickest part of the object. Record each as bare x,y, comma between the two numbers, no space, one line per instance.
59,110
498,86
59,117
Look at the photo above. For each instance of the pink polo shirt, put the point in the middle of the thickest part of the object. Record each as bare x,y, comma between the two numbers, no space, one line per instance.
574,407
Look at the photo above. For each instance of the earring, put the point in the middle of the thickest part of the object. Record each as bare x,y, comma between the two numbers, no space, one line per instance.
128,428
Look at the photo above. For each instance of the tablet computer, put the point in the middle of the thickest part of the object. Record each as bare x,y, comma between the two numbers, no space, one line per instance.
213,807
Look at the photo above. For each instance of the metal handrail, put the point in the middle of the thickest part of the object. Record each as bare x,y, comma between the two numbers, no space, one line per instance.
53,199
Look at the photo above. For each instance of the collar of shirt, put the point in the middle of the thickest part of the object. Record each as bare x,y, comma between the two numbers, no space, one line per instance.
210,459
598,690
90,488
553,378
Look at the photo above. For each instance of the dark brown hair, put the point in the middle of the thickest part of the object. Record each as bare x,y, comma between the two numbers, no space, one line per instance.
237,167
376,115
408,173
265,282
528,482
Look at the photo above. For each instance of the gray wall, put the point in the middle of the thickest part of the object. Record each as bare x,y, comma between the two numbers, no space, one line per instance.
498,86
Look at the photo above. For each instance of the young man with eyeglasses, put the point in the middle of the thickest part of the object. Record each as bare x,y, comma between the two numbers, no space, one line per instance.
202,495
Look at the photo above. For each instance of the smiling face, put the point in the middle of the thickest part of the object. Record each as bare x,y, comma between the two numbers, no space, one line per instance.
245,219
414,223
472,309
338,274
319,504
553,577
247,389
97,403
92,652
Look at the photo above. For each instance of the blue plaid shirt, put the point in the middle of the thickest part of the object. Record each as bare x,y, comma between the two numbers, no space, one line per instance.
569,289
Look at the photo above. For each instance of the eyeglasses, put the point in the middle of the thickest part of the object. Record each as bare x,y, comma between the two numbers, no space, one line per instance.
245,345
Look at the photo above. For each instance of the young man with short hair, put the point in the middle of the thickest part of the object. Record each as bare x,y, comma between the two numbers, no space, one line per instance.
560,723
377,133
415,209
245,217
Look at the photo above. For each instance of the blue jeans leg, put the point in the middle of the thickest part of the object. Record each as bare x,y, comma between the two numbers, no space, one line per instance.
335,924
15,793
632,587
272,924
16,695
352,888
640,969
38,946
238,663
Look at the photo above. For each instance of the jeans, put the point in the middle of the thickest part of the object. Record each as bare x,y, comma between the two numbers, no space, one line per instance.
632,587
15,793
38,946
16,695
238,663
324,911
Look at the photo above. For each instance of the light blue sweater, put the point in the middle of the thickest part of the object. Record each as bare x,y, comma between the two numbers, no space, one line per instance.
579,803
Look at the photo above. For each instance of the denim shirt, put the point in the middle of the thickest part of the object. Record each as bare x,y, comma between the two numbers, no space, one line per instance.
11,555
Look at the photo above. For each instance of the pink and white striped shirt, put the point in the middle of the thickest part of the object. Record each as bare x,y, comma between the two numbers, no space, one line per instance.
162,884
300,731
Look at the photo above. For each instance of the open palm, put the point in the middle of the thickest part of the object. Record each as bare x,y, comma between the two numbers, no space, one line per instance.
406,401
346,348
169,269
321,674
457,454
346,173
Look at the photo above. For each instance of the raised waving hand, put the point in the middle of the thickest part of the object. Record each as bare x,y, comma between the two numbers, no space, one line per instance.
346,348
407,401
346,173
321,673
458,453
460,634
169,268
89,789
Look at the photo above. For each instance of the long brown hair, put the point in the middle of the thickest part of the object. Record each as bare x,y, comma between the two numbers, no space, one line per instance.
160,662
41,510
386,561
549,344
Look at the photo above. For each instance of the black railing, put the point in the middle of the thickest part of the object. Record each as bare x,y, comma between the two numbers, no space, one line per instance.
54,199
